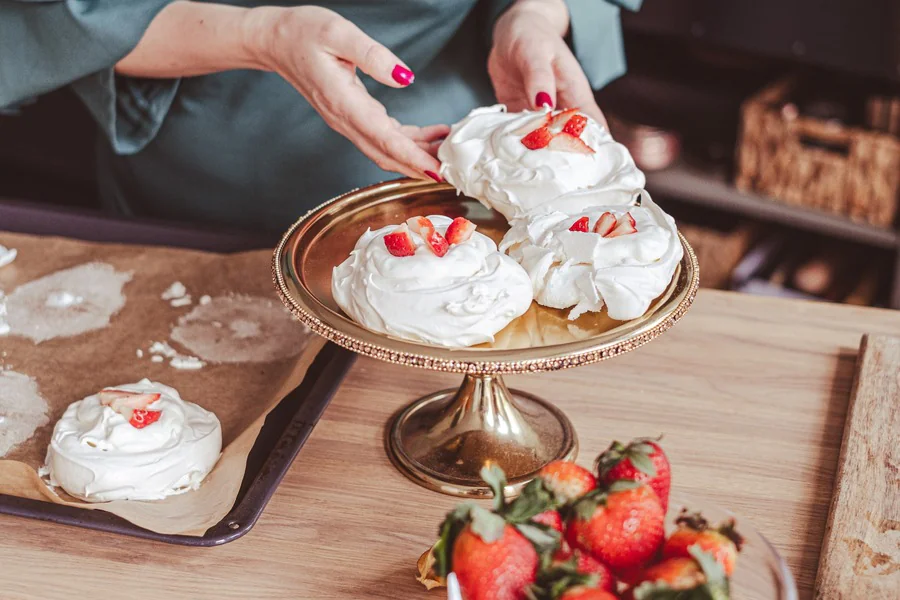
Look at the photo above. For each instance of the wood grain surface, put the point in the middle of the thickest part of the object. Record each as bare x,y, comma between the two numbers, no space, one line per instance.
861,550
751,393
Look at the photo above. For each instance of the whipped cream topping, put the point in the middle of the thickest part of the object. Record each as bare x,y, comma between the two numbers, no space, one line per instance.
95,453
484,158
586,271
460,299
7,255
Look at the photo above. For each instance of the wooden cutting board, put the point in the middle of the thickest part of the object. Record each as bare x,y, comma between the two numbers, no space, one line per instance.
861,549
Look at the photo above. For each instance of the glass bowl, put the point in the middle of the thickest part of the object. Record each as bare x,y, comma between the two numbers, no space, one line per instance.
761,573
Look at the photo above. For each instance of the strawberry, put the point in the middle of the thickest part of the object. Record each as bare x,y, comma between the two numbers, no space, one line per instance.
621,526
579,572
585,563
542,121
494,567
566,142
141,418
583,592
553,520
723,543
495,554
399,242
641,460
537,139
575,125
460,230
132,406
624,226
558,121
550,518
698,576
437,243
425,228
566,480
582,225
421,225
605,224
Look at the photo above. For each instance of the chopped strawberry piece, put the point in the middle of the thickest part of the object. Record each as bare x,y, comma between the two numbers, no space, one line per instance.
460,230
559,119
537,123
421,225
399,242
582,225
425,228
575,125
537,139
142,418
566,142
625,226
605,224
437,243
124,402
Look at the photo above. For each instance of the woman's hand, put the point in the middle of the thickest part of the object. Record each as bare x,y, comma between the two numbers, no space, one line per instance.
530,64
315,49
318,52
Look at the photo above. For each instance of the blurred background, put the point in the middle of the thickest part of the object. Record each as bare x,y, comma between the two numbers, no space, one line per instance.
770,129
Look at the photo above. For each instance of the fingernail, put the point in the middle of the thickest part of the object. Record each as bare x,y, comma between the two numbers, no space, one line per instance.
543,98
403,76
434,176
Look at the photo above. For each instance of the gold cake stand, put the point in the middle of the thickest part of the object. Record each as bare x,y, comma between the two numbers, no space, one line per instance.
442,440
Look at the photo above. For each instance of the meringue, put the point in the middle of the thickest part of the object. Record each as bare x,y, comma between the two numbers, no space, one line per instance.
7,255
96,455
460,299
484,158
586,271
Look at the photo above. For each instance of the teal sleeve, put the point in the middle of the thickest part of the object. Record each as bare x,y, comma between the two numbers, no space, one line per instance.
47,44
596,32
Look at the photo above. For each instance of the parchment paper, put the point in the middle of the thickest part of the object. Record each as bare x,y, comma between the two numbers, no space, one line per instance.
68,369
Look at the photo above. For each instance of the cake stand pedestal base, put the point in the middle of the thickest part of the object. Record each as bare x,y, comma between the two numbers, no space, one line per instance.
443,440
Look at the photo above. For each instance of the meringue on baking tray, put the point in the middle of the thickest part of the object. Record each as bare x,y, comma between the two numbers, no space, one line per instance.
433,280
138,441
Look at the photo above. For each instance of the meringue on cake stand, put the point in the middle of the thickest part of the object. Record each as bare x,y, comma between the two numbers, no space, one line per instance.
442,440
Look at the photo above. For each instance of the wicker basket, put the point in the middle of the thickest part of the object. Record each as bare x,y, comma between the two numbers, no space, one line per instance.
718,251
818,164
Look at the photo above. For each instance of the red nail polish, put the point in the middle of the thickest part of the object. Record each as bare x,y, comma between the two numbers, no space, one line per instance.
543,98
434,176
403,76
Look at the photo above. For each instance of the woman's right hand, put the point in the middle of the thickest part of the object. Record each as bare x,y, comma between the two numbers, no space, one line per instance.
318,52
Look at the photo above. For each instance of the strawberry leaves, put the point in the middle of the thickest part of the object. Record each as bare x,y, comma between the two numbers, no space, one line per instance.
489,525
637,451
453,524
552,582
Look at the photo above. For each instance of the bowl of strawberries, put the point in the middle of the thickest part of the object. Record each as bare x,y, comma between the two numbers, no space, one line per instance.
607,534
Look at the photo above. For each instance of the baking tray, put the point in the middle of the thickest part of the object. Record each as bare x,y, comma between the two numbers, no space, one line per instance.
286,428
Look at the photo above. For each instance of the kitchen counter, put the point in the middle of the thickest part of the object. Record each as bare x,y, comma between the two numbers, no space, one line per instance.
751,394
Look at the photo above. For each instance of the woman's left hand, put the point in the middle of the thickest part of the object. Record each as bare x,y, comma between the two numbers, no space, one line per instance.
530,64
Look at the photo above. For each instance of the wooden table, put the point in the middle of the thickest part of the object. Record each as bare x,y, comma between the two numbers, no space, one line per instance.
750,392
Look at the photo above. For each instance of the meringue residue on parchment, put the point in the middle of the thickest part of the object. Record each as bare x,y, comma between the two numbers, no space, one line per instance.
238,328
22,409
66,303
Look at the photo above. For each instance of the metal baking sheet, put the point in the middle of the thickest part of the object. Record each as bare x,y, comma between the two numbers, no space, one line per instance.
286,428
